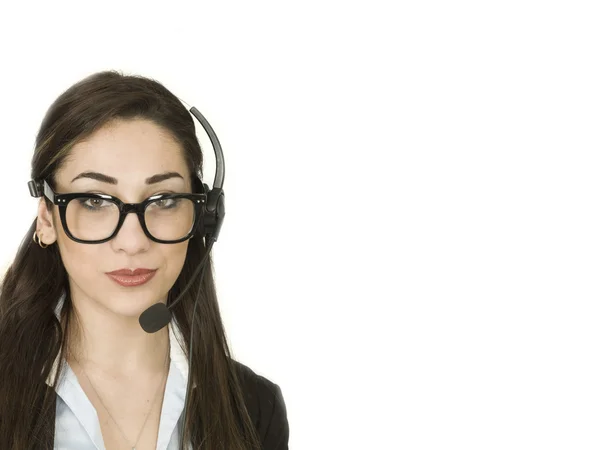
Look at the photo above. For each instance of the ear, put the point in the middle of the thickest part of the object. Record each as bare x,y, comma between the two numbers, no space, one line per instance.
46,229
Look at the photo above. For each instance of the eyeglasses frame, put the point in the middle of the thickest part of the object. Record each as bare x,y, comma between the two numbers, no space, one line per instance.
62,200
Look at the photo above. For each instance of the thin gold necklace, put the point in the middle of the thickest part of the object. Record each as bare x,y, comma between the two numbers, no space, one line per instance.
113,419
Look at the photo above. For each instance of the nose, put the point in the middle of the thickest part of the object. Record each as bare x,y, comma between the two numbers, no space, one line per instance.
131,236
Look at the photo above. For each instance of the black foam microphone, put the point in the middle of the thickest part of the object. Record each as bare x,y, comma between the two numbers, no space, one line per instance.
158,315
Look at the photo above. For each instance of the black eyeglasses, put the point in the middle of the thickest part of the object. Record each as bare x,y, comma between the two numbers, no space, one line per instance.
96,218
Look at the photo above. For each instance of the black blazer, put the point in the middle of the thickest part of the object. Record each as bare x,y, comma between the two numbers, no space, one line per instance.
265,405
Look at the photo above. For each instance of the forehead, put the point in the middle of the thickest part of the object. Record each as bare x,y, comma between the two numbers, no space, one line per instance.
128,150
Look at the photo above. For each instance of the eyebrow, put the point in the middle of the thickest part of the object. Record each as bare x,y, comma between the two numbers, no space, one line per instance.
111,180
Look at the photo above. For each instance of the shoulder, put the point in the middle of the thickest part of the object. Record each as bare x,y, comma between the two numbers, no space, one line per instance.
266,407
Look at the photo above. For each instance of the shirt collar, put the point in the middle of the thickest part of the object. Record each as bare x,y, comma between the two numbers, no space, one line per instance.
175,337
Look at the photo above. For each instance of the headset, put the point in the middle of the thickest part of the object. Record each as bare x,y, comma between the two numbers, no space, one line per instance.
159,315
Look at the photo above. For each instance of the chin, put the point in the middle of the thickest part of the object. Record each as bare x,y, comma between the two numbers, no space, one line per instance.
130,304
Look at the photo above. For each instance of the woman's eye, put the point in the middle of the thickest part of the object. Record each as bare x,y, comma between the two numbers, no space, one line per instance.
92,203
166,203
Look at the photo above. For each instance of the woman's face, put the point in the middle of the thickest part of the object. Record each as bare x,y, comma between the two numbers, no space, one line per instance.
130,151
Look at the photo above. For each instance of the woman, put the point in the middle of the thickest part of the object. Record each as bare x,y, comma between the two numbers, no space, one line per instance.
77,369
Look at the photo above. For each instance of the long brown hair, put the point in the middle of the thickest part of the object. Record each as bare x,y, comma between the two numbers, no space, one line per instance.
32,337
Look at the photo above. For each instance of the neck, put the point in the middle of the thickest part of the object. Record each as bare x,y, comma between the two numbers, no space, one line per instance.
99,339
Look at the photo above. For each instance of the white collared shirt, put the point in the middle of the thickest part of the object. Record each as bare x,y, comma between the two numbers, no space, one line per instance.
77,426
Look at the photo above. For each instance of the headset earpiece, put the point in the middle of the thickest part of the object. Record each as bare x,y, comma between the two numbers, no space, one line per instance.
214,212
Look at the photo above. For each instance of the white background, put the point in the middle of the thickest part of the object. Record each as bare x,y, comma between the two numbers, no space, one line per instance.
411,243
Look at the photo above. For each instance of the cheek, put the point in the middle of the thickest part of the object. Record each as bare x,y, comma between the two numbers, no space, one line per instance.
82,262
175,259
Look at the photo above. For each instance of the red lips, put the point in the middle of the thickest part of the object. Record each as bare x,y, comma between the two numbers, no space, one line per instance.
128,272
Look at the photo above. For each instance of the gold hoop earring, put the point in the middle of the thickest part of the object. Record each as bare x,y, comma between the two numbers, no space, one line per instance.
39,240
